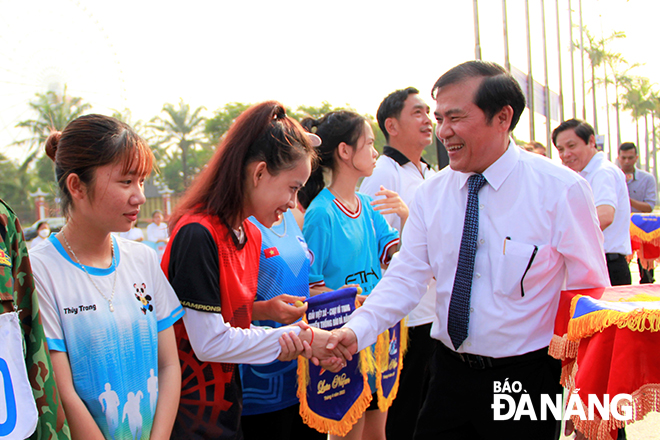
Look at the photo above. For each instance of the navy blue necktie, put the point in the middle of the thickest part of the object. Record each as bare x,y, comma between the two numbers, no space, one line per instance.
459,306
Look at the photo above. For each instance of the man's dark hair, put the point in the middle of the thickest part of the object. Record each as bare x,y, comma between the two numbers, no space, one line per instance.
497,90
627,146
582,129
391,107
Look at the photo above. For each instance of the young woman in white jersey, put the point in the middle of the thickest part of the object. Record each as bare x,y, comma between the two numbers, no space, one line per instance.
107,308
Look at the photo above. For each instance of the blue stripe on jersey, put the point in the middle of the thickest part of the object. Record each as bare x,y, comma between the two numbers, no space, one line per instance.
170,320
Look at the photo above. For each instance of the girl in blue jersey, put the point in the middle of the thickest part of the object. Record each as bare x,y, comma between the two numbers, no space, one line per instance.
348,238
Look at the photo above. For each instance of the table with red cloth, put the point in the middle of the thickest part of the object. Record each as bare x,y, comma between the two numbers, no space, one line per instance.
645,237
610,350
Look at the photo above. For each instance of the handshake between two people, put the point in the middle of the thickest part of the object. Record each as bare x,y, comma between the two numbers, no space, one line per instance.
331,350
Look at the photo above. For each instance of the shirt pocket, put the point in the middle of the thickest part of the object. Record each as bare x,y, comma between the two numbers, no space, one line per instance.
511,266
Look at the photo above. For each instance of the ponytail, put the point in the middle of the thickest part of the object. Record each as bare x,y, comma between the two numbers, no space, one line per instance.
263,132
333,129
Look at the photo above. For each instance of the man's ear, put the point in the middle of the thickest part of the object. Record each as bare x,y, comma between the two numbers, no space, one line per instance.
592,141
504,117
392,126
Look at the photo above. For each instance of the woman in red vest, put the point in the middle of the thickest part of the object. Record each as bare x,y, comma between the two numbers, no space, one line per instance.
212,261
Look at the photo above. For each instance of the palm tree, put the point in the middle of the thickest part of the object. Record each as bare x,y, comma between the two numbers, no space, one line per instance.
183,128
620,79
54,111
636,99
126,116
598,55
654,99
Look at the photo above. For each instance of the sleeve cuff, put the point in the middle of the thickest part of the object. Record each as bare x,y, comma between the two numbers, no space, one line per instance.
56,344
385,258
362,331
168,322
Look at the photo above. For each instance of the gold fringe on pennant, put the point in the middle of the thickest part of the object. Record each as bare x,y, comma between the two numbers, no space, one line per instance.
382,362
652,237
404,337
636,320
303,367
303,373
367,364
323,424
367,361
382,351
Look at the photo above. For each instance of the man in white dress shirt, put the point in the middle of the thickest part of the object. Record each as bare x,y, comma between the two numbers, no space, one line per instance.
576,144
404,119
537,233
157,230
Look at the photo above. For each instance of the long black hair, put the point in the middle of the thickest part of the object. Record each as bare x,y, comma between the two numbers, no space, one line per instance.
263,132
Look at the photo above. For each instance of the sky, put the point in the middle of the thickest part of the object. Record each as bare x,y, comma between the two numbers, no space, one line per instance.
139,54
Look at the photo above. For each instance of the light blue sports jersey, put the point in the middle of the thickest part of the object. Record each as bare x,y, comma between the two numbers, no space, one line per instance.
283,268
347,248
113,355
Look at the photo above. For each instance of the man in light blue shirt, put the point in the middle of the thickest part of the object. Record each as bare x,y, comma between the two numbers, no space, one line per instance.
642,192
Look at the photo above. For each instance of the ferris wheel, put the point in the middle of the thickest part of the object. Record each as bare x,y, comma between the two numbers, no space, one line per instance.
47,45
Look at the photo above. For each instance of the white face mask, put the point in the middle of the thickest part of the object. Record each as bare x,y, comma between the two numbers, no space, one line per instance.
44,233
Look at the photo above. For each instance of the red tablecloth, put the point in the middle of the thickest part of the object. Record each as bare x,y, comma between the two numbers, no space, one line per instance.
611,361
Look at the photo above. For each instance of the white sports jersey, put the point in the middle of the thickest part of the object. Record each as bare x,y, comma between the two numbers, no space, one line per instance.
113,355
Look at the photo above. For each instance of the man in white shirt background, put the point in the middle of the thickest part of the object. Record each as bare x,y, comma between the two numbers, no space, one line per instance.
576,143
497,287
403,117
157,230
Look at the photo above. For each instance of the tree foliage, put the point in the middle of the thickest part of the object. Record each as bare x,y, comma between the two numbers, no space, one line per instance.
598,55
53,112
126,116
183,129
222,119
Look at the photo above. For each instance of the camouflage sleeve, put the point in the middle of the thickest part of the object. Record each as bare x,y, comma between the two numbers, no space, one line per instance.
17,285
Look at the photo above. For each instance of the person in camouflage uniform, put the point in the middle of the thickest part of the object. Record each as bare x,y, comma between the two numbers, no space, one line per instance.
17,287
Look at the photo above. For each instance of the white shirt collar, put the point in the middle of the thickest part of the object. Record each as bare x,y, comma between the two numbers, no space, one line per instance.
593,163
499,170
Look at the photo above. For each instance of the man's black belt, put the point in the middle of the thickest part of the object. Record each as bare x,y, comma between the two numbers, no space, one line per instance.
477,362
613,257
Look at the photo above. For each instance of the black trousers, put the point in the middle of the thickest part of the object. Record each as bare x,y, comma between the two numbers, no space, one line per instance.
645,275
618,268
283,424
413,384
458,404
